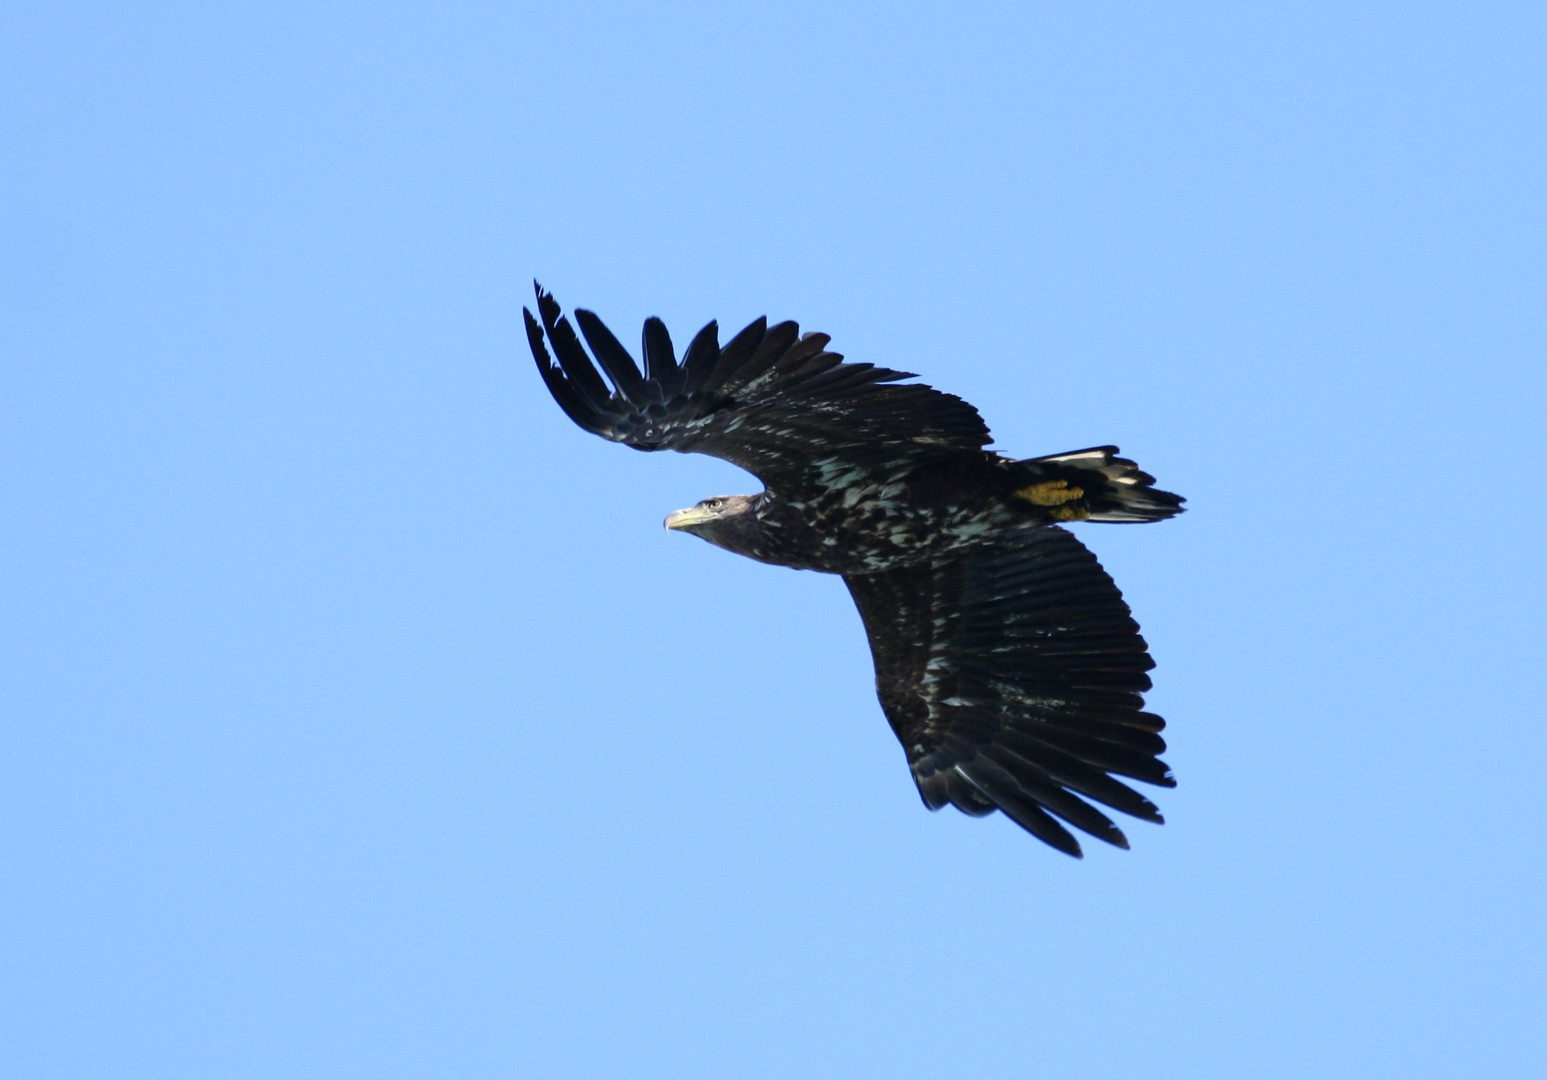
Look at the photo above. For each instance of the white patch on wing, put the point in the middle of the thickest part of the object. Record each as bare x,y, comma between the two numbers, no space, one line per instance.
1085,455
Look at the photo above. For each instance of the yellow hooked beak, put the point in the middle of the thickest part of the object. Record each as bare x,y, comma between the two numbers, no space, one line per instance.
681,519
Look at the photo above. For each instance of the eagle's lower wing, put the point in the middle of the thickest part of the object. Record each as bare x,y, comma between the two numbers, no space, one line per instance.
772,401
1012,675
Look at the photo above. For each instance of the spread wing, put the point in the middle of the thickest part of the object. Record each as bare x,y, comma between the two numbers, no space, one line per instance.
771,400
1012,676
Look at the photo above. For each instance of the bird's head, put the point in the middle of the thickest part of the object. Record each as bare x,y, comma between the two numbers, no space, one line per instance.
726,521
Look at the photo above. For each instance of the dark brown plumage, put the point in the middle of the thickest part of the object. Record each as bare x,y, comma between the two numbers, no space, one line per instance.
1006,660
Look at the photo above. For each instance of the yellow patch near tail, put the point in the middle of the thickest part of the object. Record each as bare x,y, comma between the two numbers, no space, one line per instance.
1069,513
1051,493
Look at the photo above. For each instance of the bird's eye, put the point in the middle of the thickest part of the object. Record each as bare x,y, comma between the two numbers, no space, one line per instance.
713,504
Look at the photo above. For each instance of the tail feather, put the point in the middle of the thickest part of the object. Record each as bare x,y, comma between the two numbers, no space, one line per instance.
1094,485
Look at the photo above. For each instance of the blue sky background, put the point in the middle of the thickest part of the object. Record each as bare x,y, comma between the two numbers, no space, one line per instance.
360,720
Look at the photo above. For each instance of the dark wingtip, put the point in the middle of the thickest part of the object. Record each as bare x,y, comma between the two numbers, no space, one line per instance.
549,309
534,335
613,357
660,357
569,397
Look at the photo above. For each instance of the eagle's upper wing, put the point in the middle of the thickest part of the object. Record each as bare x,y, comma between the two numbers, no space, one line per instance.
1012,675
772,401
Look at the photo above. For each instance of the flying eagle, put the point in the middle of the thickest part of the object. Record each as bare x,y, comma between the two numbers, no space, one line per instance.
1006,661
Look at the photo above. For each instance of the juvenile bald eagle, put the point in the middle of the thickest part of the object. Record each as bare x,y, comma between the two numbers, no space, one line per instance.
1006,660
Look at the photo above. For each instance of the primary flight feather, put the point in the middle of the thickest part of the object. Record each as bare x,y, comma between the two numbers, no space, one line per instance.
1007,663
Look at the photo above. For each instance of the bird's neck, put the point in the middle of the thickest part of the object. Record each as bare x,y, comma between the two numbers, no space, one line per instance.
771,531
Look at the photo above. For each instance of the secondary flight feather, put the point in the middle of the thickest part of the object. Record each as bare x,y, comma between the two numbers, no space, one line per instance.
1007,663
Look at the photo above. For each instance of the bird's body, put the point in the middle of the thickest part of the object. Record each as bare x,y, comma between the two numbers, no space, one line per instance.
907,514
1006,660
872,524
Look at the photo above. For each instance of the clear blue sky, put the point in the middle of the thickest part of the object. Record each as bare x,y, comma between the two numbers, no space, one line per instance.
360,720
